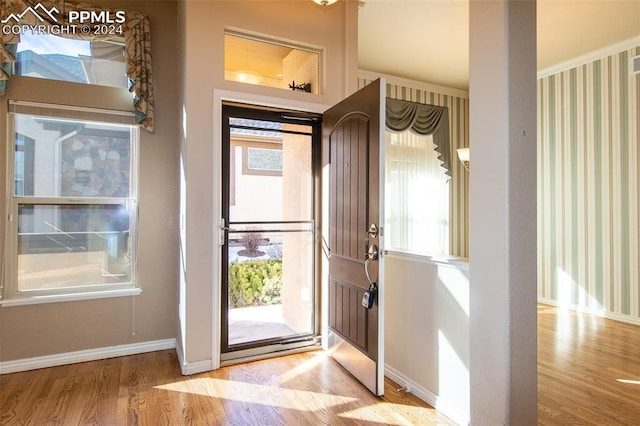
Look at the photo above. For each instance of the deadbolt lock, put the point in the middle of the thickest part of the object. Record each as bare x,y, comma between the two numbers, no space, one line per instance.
373,231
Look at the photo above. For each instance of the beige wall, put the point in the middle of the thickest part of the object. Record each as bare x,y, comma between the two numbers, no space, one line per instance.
427,330
44,329
201,41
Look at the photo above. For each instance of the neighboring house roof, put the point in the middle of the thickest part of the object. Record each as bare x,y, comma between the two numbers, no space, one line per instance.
72,64
272,129
53,66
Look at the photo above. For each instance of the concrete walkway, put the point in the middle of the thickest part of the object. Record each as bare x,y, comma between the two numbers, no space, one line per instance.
256,323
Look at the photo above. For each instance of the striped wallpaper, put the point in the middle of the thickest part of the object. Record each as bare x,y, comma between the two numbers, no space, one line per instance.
459,131
588,196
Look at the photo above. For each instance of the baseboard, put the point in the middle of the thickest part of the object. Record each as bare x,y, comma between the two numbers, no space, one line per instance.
55,360
427,396
604,314
189,368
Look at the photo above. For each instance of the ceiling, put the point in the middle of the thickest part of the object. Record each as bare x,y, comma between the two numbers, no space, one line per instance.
428,40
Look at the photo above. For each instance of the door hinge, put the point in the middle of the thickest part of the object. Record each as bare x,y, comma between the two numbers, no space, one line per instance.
223,228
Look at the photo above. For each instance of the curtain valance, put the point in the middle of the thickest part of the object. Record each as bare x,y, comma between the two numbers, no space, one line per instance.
422,119
137,39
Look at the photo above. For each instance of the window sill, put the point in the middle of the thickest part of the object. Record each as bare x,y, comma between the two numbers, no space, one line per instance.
36,300
458,262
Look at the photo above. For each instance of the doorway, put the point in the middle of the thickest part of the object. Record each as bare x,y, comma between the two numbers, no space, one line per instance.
270,285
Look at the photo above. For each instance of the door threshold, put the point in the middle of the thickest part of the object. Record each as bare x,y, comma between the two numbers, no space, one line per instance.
243,357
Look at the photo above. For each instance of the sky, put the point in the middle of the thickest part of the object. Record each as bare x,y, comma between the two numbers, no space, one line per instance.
43,44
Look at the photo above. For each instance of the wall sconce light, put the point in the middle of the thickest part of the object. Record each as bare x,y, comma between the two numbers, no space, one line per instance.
463,155
325,2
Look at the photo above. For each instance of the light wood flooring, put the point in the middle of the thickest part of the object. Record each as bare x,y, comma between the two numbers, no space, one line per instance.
588,374
148,389
588,369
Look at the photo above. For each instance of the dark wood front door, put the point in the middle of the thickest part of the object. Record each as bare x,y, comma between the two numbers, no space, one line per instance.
352,138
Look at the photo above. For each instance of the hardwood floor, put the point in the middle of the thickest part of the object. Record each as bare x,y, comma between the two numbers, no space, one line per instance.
148,389
588,374
588,369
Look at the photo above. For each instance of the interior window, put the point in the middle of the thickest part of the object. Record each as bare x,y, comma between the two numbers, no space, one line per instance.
101,63
253,60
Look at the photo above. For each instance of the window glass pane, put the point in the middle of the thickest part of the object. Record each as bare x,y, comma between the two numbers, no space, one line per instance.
19,170
270,282
261,167
71,158
270,63
68,246
18,173
416,196
264,159
51,57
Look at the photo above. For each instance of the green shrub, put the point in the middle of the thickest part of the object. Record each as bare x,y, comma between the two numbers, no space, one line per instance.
255,283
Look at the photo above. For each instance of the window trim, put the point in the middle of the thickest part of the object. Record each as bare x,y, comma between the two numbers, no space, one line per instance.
70,297
9,293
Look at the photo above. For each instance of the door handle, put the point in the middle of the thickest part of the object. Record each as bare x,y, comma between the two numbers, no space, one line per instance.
372,256
369,295
372,253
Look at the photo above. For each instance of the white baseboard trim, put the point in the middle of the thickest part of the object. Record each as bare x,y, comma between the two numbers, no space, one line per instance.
444,407
196,367
604,314
55,360
189,368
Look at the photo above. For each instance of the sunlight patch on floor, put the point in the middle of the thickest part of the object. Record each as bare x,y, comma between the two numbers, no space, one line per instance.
370,413
303,367
629,382
258,394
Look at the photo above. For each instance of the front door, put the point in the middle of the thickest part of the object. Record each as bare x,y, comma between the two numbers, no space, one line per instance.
353,132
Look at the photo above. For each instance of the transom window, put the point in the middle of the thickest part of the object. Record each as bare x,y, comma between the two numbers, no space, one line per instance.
256,60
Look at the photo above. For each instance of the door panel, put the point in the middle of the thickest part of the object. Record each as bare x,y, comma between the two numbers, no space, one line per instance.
347,318
352,136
